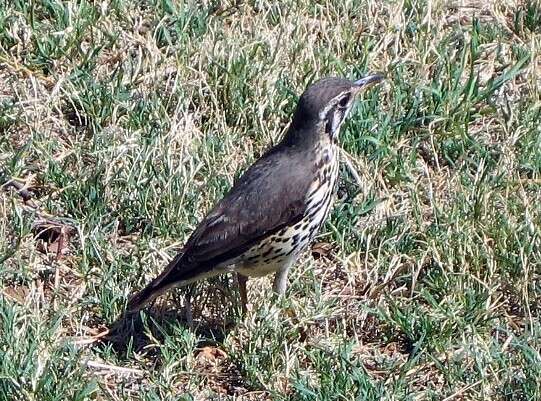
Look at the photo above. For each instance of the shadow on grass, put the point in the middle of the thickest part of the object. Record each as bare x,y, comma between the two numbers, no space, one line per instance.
162,334
210,320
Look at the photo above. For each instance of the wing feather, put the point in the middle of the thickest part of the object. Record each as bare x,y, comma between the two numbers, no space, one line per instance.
268,197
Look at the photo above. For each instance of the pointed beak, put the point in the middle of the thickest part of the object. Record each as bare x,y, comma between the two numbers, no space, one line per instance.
368,81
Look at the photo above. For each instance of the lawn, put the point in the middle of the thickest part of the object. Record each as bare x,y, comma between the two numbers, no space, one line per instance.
121,123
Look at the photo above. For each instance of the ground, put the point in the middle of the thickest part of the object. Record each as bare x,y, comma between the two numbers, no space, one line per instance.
121,123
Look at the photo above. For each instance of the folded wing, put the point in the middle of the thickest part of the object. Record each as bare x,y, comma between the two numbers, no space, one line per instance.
268,197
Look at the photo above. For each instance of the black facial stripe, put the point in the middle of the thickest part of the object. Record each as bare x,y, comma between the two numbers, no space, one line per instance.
330,117
328,124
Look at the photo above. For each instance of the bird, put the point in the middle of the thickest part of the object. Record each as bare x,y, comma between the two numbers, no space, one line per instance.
275,209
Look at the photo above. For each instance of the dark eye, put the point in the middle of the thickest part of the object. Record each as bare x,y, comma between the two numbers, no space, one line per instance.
344,101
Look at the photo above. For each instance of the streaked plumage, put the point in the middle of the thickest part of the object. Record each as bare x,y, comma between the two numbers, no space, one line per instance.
277,206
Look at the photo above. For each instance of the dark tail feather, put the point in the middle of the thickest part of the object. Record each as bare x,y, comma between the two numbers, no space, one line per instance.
143,297
170,277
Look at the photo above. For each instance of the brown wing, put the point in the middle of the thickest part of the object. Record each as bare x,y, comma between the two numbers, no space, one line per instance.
269,196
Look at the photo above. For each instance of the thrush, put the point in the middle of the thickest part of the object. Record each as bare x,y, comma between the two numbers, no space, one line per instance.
274,210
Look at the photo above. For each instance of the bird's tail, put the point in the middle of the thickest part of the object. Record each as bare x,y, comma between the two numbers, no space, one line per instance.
170,277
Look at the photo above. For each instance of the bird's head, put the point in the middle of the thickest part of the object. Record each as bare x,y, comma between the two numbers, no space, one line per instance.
324,106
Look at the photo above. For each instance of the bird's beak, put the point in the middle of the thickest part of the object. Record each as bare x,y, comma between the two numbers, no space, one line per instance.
367,81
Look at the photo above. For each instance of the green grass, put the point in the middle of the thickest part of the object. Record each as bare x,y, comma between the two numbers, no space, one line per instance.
128,121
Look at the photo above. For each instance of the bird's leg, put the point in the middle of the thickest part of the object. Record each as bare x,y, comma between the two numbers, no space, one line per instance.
242,291
280,280
188,306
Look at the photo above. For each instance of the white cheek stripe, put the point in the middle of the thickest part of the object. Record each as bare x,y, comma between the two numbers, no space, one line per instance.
332,103
337,120
323,113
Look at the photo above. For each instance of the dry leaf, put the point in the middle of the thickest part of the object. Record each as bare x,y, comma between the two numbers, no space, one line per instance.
210,354
54,238
322,250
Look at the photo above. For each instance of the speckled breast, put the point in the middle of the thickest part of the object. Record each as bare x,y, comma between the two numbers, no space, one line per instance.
284,247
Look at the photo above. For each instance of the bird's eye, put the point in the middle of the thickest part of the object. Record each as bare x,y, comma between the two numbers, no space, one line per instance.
344,101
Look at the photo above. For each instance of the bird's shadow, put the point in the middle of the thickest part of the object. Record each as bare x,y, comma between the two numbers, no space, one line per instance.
210,322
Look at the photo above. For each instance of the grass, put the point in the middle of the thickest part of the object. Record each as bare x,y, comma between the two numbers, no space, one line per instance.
128,121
